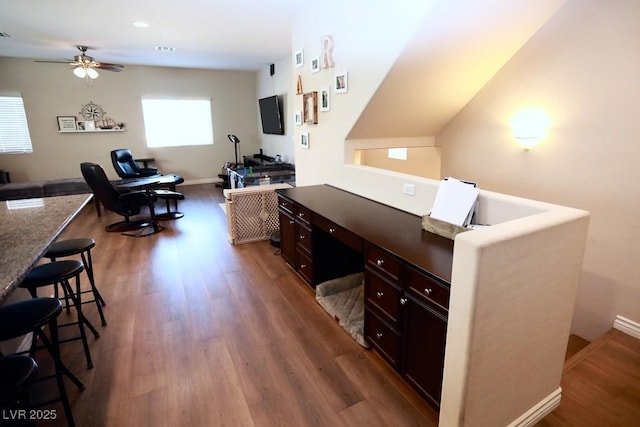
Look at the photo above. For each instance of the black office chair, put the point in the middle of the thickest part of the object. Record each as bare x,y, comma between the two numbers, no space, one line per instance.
125,204
127,167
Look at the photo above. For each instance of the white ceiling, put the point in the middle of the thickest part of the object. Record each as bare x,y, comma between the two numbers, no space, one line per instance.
218,34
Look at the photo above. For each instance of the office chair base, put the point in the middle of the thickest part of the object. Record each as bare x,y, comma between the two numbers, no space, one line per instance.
124,226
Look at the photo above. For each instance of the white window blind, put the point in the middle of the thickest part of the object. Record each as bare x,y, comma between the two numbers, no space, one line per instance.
14,130
177,122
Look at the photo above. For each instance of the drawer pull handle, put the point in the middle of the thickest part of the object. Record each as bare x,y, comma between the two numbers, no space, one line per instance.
379,335
302,236
403,301
332,230
303,266
292,222
427,291
379,294
380,262
301,214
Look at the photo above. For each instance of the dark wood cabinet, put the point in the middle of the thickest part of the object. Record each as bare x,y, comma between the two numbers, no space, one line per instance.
425,304
327,233
287,233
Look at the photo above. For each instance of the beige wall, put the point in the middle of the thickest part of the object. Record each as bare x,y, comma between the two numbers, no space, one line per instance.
421,161
582,67
50,90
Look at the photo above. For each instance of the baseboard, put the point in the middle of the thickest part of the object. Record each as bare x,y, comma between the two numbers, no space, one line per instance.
539,411
627,326
201,181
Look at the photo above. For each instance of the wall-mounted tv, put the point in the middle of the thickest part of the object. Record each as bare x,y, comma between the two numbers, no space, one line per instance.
271,115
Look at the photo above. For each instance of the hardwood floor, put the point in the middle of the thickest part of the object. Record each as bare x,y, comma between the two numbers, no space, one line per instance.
201,333
600,385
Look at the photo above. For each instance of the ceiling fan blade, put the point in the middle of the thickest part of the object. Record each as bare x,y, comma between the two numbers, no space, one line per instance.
106,64
109,68
67,61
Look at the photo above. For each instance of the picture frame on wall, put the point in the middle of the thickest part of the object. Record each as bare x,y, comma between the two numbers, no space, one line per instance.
310,108
67,124
325,99
297,118
304,140
315,64
298,58
341,82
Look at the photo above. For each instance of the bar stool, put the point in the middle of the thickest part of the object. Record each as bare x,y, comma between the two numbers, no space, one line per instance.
81,246
30,316
17,372
60,272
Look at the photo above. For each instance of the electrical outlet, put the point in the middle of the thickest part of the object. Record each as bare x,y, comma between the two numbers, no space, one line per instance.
409,189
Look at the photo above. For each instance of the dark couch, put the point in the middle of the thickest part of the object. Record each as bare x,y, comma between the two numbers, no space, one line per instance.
35,189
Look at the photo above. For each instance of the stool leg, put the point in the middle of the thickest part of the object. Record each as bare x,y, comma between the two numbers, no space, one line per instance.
60,369
66,296
88,266
82,320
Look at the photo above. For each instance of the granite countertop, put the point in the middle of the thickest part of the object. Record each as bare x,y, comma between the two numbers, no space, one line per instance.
27,228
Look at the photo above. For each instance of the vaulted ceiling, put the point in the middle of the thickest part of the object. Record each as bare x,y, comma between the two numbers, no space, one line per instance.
459,47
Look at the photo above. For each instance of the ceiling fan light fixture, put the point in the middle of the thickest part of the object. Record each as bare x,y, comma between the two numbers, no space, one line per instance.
92,73
80,72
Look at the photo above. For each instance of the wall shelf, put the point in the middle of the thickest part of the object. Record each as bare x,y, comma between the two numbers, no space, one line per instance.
92,131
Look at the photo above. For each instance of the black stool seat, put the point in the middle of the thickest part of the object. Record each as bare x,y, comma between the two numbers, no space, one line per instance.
53,272
81,246
22,317
16,373
69,247
60,272
31,315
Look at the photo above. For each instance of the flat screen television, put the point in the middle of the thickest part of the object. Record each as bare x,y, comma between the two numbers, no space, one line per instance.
271,115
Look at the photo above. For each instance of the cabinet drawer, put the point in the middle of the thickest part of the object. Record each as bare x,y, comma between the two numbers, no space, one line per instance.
382,338
427,289
285,205
383,261
345,236
303,237
382,295
302,214
304,266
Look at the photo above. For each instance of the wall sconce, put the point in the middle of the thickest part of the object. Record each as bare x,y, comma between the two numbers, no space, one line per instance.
530,127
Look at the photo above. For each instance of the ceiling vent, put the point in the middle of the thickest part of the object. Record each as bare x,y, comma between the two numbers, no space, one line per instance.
165,49
3,34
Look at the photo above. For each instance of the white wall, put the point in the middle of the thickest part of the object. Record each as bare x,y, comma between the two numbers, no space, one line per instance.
278,84
582,67
51,90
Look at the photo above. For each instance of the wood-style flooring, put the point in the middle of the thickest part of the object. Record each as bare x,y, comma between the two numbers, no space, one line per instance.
204,333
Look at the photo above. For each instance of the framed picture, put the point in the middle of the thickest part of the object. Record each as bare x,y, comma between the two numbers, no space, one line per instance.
304,140
325,99
341,82
87,125
298,58
310,108
67,124
297,118
315,64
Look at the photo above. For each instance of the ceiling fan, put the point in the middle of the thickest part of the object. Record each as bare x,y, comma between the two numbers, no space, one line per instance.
85,67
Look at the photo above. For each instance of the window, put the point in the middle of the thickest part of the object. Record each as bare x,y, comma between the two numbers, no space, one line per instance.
14,130
177,122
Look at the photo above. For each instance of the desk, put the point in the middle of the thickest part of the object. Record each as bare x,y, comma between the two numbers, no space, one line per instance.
327,233
27,232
